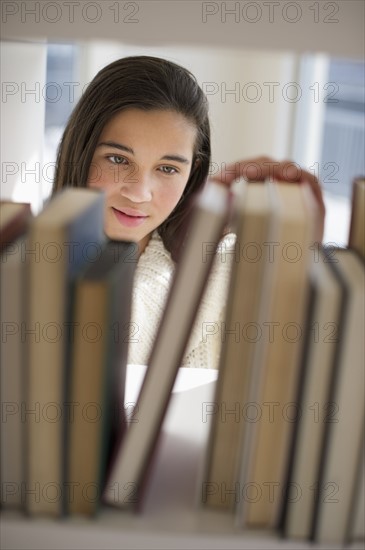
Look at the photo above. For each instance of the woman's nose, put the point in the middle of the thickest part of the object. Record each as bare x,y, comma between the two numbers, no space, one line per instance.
136,185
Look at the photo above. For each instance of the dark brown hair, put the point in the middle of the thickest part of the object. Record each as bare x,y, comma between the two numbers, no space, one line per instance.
146,83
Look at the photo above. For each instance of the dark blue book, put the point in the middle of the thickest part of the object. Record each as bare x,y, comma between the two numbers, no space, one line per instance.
101,309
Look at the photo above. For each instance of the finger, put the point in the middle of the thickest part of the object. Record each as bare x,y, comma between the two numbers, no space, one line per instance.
290,171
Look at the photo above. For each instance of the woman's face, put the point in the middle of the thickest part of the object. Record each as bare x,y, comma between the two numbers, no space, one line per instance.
142,161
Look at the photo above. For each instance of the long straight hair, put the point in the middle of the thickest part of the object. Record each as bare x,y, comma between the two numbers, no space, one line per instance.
146,83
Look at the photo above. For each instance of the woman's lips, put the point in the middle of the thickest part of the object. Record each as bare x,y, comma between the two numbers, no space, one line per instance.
129,217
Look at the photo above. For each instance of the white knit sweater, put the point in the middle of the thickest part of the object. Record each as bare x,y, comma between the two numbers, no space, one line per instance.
152,281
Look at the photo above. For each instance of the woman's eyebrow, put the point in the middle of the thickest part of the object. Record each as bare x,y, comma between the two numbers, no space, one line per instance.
175,158
115,145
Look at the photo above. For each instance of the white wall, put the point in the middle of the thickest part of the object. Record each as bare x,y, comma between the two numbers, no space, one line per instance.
23,73
242,127
255,119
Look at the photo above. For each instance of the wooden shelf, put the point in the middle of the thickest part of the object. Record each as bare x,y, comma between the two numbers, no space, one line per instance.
171,516
115,530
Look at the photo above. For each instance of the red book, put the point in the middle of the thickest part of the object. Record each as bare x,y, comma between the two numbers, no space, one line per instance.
14,219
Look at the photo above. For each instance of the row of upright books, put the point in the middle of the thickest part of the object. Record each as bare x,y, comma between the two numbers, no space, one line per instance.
290,393
287,419
66,300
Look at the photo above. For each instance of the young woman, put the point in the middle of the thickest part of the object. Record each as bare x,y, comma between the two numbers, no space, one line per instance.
141,133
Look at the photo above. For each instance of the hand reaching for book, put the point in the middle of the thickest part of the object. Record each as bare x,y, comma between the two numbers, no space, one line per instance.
262,168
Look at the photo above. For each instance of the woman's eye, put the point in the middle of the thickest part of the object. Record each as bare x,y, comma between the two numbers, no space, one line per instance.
168,170
116,159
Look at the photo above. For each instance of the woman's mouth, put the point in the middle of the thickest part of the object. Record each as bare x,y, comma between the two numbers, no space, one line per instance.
129,217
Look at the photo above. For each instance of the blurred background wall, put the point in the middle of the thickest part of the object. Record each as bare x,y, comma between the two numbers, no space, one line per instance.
284,79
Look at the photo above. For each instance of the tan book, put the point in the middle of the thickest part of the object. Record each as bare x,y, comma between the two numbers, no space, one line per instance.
357,223
344,438
273,388
325,325
254,213
63,238
357,526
